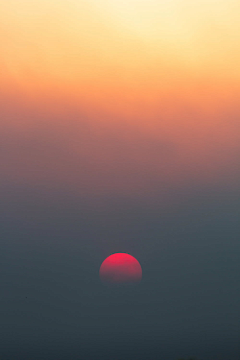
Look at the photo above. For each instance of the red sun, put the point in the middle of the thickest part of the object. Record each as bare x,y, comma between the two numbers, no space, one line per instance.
120,268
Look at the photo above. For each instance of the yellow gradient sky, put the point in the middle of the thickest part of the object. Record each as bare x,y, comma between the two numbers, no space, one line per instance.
136,74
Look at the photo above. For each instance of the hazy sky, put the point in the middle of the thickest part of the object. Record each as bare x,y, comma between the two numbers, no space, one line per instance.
120,132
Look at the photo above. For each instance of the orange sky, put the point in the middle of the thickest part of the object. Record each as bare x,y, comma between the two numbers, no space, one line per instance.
120,96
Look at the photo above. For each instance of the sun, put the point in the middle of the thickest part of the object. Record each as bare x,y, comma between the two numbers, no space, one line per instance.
120,268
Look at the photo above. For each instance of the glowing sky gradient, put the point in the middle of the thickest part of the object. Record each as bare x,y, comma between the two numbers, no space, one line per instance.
125,97
119,133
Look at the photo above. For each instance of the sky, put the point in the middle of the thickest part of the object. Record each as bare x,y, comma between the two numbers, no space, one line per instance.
119,132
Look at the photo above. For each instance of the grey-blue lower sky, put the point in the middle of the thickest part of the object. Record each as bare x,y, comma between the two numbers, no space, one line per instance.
53,305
